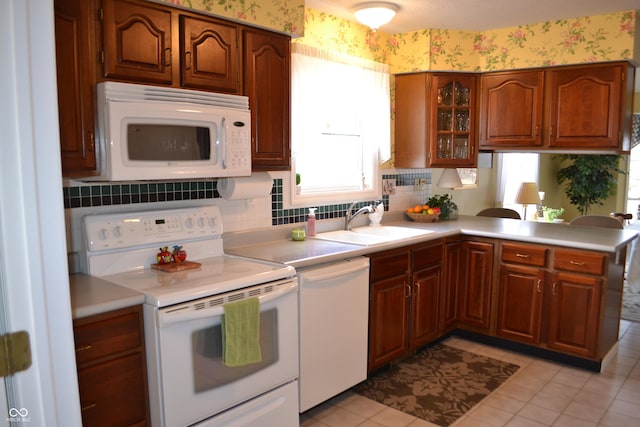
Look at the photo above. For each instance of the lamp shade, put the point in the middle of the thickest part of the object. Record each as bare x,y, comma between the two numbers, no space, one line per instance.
450,179
528,194
375,13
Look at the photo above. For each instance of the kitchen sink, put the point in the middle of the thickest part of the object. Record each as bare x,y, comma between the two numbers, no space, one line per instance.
367,236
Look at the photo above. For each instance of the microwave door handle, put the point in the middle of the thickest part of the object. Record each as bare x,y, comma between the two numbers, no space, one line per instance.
217,143
223,144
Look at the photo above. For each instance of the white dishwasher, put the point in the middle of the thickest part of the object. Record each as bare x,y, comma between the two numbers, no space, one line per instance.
334,318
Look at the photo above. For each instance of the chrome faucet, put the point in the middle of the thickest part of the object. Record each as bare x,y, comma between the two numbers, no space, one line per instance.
350,215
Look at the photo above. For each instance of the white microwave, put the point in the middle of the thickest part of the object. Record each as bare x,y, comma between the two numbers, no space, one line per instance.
157,133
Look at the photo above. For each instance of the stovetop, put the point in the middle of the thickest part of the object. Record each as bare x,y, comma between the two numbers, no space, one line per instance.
120,248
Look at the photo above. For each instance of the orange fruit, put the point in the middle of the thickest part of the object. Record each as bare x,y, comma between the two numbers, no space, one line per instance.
425,207
417,209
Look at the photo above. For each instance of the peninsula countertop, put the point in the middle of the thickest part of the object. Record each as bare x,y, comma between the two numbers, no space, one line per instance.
276,246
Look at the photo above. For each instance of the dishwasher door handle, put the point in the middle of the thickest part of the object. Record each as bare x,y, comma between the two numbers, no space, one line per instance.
333,272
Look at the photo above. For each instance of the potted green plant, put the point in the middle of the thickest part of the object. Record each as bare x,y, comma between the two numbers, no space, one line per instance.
589,178
448,209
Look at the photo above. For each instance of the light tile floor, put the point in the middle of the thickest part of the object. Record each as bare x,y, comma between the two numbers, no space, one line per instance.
540,393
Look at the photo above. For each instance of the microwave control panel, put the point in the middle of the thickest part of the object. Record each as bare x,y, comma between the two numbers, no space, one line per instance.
238,151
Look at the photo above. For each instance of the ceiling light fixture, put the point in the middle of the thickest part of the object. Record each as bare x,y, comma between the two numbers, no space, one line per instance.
375,13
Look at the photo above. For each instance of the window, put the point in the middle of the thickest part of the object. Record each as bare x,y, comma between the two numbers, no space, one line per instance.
513,170
340,125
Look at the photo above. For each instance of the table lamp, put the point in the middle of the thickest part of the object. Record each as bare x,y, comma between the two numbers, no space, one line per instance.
528,195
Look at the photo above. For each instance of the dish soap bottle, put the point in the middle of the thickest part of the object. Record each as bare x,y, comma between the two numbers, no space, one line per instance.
311,222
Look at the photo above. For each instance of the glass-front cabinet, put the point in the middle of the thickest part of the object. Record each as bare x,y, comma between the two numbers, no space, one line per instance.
435,120
452,132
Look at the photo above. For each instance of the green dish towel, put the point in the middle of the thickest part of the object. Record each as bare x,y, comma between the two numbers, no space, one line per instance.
241,333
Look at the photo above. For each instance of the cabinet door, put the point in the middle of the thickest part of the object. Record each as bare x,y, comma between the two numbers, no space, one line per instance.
520,303
388,321
452,281
585,109
424,300
113,393
209,54
425,293
137,41
511,109
474,296
411,149
452,136
575,314
267,77
74,39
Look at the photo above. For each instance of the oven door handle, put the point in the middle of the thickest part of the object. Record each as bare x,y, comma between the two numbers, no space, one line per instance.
187,312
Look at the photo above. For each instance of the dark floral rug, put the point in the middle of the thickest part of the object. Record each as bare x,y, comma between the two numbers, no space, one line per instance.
630,305
439,384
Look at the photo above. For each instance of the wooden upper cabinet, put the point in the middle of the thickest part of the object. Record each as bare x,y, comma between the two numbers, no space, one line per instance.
452,120
586,106
74,40
267,83
411,150
209,54
137,41
511,109
435,120
581,107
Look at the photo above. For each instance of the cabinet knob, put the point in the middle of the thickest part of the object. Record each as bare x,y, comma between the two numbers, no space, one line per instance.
539,286
522,255
554,289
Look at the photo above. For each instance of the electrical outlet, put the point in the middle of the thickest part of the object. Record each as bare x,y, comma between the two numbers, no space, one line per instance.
388,186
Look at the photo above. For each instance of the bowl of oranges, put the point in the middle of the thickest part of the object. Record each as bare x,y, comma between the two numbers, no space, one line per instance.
423,213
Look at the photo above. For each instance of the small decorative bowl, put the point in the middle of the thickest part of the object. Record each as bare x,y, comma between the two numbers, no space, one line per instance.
419,217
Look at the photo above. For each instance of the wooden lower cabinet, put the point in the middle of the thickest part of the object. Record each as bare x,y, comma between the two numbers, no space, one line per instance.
556,299
405,295
111,363
389,306
520,303
452,272
426,286
574,316
474,295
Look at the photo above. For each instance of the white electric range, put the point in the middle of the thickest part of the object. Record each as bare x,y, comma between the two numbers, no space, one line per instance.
189,384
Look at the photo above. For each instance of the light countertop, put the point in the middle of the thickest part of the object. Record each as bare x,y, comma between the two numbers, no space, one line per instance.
311,251
92,295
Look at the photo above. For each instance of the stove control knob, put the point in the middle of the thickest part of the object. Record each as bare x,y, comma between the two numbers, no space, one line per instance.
117,231
103,234
200,222
212,221
188,223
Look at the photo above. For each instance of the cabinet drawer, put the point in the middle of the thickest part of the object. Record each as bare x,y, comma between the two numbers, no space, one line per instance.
425,256
524,254
113,393
102,335
389,264
580,262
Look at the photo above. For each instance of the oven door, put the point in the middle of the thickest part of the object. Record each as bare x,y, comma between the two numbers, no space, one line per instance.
188,379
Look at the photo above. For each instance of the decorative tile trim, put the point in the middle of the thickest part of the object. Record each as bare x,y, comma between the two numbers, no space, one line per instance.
157,192
125,194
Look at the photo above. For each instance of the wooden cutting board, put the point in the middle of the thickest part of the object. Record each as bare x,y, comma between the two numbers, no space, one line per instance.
176,266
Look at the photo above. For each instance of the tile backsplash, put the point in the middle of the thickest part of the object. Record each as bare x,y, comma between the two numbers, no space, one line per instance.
82,199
